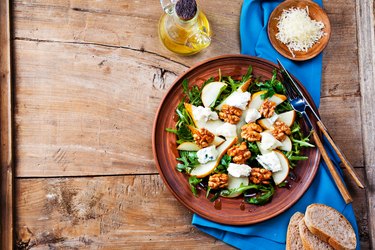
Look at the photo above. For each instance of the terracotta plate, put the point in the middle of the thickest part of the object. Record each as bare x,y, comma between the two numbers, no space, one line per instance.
165,152
315,13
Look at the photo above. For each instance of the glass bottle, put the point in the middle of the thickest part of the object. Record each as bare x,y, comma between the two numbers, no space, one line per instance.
183,30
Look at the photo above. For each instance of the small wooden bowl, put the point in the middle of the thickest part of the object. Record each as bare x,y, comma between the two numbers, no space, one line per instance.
315,13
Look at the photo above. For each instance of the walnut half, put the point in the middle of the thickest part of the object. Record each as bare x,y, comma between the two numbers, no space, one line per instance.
280,130
240,153
230,114
218,181
251,132
260,176
267,109
203,137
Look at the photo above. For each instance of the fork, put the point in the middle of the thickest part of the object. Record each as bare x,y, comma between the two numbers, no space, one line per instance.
299,105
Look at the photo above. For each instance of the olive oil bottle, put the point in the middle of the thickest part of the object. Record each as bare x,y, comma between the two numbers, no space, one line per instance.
183,28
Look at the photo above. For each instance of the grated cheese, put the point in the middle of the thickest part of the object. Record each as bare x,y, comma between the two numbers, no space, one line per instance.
297,30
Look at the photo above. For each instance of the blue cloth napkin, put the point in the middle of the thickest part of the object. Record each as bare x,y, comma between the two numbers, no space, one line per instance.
271,234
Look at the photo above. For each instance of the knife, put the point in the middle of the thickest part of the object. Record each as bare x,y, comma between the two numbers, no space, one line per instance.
323,128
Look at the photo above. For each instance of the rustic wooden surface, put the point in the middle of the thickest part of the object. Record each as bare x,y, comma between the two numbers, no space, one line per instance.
89,78
6,148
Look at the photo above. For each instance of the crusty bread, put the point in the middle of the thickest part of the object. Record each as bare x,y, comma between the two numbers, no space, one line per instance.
330,226
309,240
293,240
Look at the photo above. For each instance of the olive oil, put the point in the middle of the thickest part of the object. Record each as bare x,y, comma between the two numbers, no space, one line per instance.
185,37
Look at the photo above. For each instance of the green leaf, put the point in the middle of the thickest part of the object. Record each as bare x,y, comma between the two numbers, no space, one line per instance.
240,189
193,182
263,196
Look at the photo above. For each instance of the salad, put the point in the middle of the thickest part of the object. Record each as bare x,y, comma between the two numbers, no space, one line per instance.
238,137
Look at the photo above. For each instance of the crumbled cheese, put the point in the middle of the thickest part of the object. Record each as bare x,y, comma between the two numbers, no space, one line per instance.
238,99
204,114
252,115
268,141
297,30
269,161
227,130
239,170
273,118
207,154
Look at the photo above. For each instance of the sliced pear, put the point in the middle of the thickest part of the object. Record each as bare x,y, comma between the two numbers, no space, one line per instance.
211,91
280,176
262,151
286,145
188,146
244,86
235,182
202,170
265,123
288,117
256,100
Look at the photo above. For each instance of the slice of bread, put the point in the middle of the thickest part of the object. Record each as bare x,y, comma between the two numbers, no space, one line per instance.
309,240
330,226
293,240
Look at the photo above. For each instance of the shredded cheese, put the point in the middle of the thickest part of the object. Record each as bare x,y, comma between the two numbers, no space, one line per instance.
297,30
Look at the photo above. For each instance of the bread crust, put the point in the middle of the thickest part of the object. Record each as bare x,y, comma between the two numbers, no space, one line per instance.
290,237
321,234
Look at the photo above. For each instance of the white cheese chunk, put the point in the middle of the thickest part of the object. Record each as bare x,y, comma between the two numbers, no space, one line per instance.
207,154
268,141
227,130
204,114
239,170
269,161
252,115
238,99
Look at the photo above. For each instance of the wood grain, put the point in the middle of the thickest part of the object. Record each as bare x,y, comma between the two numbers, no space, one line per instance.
75,64
366,40
6,136
127,212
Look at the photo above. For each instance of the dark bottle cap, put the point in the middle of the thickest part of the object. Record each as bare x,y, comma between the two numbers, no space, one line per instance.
186,9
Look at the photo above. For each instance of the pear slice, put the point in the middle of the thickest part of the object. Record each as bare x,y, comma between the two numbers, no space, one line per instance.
235,182
286,144
210,125
256,100
263,151
188,146
287,117
202,170
210,93
280,176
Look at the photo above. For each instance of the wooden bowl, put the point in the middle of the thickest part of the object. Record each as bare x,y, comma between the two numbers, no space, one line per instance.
165,153
315,13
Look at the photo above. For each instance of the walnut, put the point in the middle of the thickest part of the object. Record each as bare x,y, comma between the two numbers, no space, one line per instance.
267,109
230,114
240,153
218,181
203,137
260,176
251,132
280,130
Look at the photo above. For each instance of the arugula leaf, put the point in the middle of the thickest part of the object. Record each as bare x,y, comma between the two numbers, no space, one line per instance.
223,166
193,94
248,74
188,160
263,196
193,182
240,189
253,148
272,86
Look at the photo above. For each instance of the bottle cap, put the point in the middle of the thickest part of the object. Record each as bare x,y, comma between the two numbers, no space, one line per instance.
186,9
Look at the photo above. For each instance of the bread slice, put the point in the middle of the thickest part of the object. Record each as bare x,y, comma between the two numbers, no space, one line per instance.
330,226
293,240
309,240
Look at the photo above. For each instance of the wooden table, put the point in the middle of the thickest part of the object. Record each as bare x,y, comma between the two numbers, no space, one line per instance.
88,77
